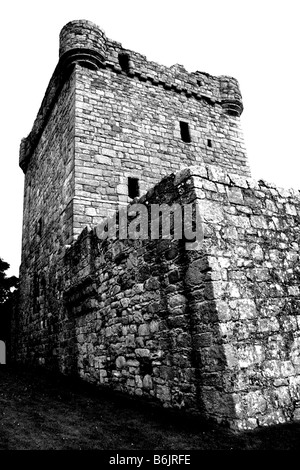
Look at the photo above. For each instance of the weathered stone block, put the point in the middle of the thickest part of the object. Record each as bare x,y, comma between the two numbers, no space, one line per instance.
142,352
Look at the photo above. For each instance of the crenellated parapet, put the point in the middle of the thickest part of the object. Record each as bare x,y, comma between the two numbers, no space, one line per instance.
84,43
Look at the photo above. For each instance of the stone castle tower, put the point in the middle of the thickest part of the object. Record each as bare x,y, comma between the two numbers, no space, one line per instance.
109,115
192,330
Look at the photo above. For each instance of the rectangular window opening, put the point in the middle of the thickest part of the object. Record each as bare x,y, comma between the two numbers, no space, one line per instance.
133,187
124,61
209,143
185,131
39,227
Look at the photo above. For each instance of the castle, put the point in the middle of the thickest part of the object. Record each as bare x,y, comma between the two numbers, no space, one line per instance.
213,331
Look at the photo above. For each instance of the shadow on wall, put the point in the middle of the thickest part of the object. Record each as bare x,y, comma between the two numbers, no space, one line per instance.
176,293
2,352
163,340
208,354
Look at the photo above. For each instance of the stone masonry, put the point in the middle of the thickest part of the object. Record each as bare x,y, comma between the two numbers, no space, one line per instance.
214,331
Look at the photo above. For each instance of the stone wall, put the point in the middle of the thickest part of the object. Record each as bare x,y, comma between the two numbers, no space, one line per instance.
47,223
128,128
132,329
213,330
252,244
128,125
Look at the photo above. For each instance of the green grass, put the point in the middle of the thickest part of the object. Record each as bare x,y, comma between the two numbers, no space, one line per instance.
40,411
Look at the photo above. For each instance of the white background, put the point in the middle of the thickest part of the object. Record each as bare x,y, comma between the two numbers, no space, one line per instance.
256,41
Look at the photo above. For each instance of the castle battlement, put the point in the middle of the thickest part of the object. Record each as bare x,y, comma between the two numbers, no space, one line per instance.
84,43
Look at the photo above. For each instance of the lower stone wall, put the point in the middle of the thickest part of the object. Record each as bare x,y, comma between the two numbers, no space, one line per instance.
132,329
252,283
214,330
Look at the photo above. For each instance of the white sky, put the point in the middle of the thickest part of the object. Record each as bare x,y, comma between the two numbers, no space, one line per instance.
256,41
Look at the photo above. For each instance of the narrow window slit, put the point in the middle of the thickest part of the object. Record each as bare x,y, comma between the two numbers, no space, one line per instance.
133,187
209,143
185,131
39,227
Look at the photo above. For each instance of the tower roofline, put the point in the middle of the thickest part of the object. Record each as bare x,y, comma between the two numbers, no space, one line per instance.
84,43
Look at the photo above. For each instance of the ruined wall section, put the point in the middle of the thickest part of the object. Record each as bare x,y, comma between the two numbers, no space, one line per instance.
47,221
132,329
219,326
252,242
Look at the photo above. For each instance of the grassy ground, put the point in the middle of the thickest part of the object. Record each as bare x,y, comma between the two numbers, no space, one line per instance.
43,412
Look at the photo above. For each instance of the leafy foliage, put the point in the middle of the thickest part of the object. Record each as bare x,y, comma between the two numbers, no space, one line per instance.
6,283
